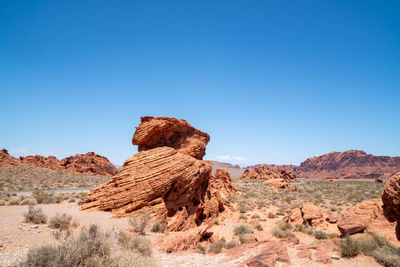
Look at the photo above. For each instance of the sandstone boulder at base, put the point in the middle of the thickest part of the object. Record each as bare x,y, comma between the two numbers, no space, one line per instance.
309,214
272,252
391,201
178,134
351,225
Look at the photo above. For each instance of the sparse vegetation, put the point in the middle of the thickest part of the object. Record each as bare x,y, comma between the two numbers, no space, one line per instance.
217,246
61,222
243,229
140,224
320,235
138,244
35,215
158,227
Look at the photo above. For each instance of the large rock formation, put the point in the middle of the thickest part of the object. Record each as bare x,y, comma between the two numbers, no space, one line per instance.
6,160
343,165
89,163
391,201
308,214
168,179
270,177
234,170
178,134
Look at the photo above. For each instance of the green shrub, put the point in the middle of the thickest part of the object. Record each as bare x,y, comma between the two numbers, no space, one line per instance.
90,248
126,258
259,227
284,226
255,216
140,224
61,222
271,215
304,228
231,244
158,227
349,247
217,246
282,233
35,215
320,235
242,216
243,229
42,197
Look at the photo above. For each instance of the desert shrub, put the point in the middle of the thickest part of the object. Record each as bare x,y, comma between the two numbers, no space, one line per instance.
90,248
43,197
231,244
28,201
282,233
243,229
138,244
217,246
71,200
126,258
284,226
349,247
259,227
14,201
242,216
255,216
140,224
58,198
386,257
333,235
271,215
304,228
216,222
242,207
158,227
201,248
379,247
61,222
35,215
320,235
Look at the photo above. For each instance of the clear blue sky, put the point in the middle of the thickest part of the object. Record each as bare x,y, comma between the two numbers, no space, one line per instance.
270,81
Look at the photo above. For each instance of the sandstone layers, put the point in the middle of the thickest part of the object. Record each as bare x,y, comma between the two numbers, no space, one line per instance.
89,163
270,177
353,164
167,177
391,201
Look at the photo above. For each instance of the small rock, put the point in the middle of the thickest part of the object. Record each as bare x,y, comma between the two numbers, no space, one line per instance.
335,257
34,226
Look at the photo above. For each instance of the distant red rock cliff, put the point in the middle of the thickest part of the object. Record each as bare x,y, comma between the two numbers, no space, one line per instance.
89,163
352,164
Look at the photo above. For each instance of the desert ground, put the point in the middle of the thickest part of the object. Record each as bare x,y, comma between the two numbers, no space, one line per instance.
257,206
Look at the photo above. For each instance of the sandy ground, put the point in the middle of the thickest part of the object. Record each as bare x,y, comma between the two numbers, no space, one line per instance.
17,237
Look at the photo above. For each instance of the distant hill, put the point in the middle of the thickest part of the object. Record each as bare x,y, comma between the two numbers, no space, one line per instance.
352,164
89,163
234,170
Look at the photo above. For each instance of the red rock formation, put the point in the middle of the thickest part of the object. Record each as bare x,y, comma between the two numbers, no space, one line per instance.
169,180
270,177
391,201
272,252
89,163
351,225
343,165
178,134
309,214
7,161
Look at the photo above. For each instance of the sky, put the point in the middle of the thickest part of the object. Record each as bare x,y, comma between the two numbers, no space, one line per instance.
270,81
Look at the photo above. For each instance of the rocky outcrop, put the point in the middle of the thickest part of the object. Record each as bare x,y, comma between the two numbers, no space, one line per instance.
353,164
234,170
272,252
176,187
308,214
89,163
270,177
391,201
351,225
6,160
178,134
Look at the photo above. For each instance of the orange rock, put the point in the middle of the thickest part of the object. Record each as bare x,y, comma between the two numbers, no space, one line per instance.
351,225
272,251
294,217
288,176
306,253
178,241
89,163
391,201
270,177
332,219
178,134
169,180
312,214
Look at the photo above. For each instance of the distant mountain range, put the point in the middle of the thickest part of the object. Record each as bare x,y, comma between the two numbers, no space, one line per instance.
234,170
352,164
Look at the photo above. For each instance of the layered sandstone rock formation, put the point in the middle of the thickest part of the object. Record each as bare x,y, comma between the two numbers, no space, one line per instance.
391,201
343,165
178,134
270,177
89,163
167,177
308,214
